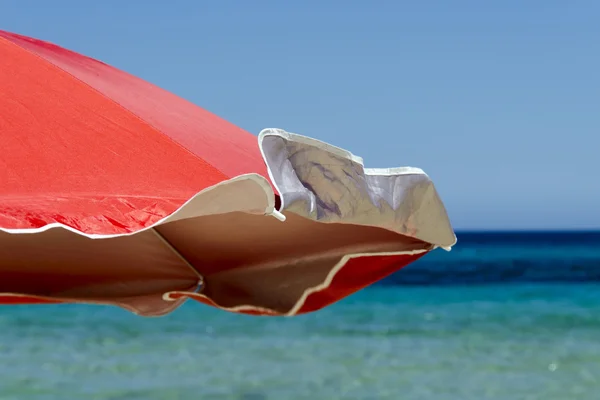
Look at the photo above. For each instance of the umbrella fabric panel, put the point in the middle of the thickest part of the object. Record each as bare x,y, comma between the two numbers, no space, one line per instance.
329,184
129,271
223,145
73,156
352,275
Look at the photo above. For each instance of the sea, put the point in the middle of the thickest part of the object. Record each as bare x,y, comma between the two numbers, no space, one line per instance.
503,316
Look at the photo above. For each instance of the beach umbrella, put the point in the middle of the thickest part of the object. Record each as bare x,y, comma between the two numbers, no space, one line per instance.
114,191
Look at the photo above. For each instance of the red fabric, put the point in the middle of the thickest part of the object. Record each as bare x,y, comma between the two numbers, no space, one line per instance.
99,150
8,299
357,274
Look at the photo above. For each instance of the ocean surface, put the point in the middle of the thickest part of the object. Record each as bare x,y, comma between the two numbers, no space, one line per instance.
503,316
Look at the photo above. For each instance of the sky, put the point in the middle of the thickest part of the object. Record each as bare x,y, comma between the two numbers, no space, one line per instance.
499,102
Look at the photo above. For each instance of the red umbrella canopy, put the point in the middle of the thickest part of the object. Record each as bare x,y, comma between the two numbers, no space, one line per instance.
74,128
114,191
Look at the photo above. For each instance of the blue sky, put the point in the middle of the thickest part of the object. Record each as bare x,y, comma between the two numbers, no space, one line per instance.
499,102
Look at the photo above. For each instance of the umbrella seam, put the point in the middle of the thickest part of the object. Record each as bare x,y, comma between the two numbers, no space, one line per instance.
168,244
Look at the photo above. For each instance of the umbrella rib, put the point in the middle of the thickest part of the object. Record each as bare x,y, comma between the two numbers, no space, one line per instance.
181,257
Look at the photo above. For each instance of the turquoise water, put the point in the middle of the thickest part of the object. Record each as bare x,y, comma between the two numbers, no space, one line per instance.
518,339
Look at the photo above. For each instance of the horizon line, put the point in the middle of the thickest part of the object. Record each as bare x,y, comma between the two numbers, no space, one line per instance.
527,230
